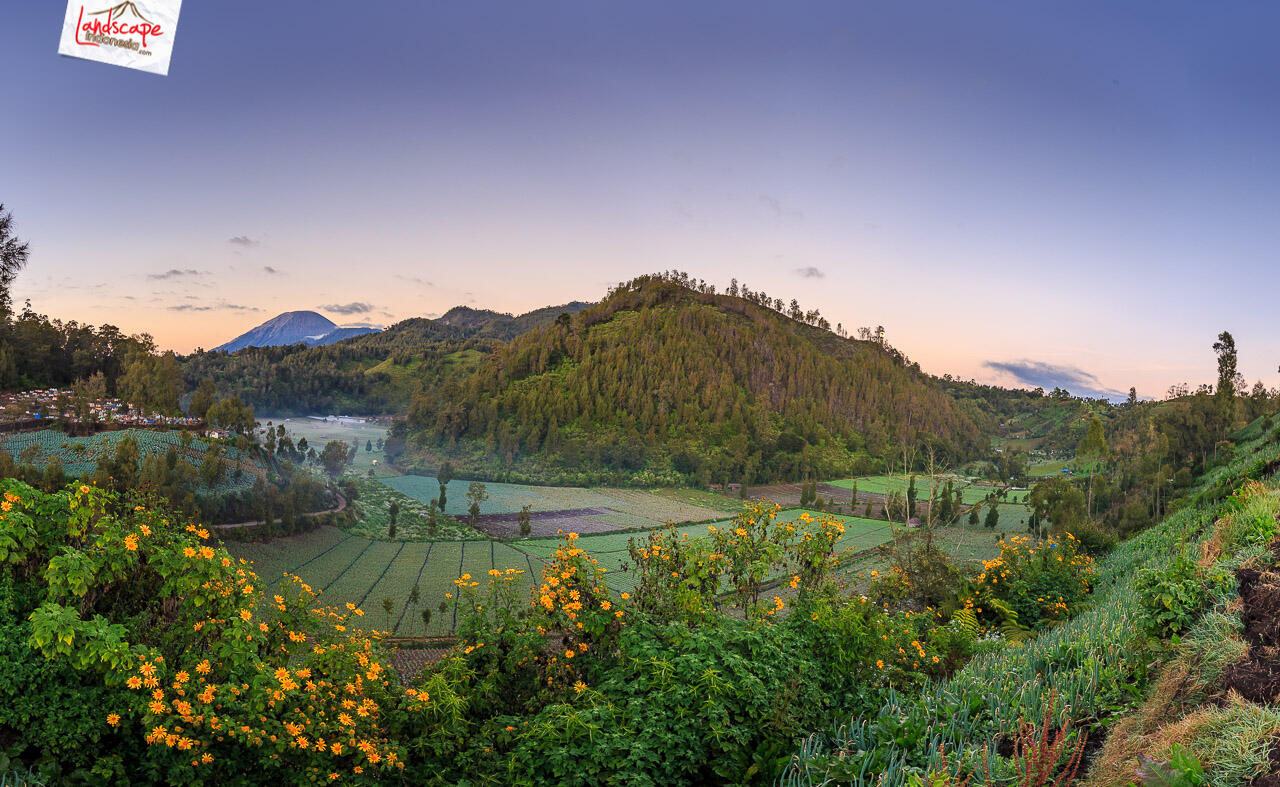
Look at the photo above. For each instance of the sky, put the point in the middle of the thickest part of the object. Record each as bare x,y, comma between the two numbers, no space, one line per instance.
1077,193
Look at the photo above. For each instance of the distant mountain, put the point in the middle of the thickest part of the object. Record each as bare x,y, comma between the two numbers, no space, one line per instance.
283,368
307,328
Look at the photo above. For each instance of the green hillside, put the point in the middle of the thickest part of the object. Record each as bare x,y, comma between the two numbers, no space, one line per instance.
666,381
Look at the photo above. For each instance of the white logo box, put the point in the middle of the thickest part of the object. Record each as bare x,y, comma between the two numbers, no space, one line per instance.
134,33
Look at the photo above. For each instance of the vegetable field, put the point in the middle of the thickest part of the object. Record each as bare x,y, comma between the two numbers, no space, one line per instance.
363,572
352,569
564,508
889,484
80,455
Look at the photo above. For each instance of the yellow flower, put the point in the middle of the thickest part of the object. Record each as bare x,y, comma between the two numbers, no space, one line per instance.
113,719
131,542
245,614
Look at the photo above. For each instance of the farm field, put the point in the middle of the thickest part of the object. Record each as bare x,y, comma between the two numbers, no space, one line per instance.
888,484
1044,469
320,432
80,455
352,569
611,549
564,508
412,523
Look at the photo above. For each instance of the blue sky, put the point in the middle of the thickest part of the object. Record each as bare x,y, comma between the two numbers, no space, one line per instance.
1013,190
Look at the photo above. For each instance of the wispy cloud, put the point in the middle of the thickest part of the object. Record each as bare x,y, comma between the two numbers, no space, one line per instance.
809,272
355,307
1049,376
233,307
244,241
174,273
272,271
777,209
415,280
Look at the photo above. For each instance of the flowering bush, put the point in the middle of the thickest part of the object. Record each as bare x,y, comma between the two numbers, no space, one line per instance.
1032,582
213,675
689,578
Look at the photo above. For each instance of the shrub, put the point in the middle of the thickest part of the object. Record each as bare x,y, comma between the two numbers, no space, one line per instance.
1034,582
1172,597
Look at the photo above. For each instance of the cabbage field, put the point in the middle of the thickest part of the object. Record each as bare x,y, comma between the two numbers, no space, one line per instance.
352,569
80,455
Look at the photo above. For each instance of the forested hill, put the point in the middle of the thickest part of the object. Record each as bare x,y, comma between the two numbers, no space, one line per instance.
663,376
370,374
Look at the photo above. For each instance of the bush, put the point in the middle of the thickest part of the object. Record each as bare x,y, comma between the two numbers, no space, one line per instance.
1033,583
1171,598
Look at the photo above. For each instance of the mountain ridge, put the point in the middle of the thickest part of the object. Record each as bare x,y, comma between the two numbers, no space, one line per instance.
293,327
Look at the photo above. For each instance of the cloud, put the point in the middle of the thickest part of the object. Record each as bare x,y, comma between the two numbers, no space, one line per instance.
272,271
415,280
1049,376
192,307
809,273
244,242
775,206
174,273
355,307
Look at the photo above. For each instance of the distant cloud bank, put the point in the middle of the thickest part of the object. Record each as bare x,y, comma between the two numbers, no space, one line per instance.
355,307
234,307
174,273
1049,376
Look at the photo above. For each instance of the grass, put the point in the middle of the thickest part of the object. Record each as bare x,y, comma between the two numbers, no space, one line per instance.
1097,663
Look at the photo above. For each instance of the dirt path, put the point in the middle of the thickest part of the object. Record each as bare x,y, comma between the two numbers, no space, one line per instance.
342,506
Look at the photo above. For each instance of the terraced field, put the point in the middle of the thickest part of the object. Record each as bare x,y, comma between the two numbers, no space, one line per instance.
360,571
413,521
80,455
350,568
565,508
887,484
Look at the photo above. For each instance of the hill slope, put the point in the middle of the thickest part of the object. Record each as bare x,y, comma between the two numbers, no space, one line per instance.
358,369
496,325
673,380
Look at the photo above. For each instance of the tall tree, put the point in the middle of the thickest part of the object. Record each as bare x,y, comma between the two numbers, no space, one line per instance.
1225,347
443,476
13,258
476,495
1092,453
